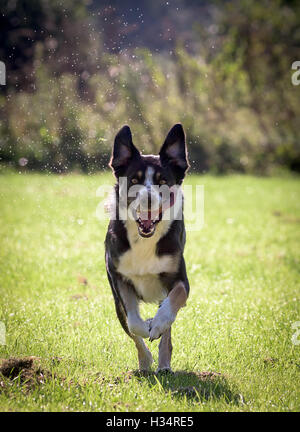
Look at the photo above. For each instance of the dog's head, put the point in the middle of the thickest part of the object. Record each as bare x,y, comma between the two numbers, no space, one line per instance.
148,181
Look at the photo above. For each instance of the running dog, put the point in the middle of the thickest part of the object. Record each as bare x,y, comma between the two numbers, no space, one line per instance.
143,247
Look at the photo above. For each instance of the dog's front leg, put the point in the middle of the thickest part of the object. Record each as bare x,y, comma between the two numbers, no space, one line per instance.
167,312
135,323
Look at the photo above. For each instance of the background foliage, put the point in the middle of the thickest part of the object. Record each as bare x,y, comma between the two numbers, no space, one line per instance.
77,71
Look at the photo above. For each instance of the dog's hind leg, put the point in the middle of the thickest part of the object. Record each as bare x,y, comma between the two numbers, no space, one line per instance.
144,355
165,351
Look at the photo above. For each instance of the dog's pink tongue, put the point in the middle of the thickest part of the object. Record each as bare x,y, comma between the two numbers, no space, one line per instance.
147,218
147,223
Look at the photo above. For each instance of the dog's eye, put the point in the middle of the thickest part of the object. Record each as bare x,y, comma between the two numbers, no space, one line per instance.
134,181
162,182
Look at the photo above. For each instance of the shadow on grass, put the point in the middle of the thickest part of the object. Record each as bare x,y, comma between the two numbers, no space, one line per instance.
194,386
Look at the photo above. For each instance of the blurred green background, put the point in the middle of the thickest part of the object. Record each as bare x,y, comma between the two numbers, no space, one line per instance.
78,70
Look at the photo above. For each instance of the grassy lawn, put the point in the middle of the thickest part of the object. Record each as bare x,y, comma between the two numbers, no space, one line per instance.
56,303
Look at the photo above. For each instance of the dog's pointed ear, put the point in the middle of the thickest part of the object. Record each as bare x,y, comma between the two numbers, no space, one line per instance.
174,152
123,151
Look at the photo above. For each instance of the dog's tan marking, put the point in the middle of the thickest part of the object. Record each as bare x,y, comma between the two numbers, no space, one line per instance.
139,174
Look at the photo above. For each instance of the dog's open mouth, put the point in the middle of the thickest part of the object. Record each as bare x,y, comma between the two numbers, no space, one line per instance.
147,221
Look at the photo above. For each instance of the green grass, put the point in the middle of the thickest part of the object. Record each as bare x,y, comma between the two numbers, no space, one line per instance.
244,271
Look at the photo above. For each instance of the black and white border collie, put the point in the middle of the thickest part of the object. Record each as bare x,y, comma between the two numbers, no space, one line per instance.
144,249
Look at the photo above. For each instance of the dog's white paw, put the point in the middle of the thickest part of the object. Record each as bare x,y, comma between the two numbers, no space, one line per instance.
162,320
137,326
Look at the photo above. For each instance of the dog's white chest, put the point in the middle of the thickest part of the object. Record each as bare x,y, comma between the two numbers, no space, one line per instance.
141,265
